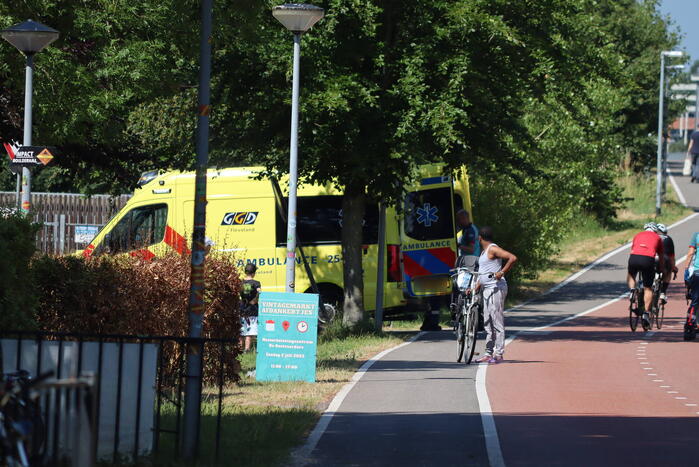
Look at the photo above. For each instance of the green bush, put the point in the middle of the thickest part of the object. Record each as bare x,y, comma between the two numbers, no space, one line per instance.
17,288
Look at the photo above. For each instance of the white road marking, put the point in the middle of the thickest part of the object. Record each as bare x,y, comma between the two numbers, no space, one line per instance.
302,454
680,196
672,392
680,398
647,368
665,386
490,431
658,381
691,405
652,374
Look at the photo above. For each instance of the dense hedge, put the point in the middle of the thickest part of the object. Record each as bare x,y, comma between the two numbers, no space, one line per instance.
17,300
127,295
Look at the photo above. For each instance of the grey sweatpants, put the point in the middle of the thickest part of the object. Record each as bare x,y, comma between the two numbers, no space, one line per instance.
494,316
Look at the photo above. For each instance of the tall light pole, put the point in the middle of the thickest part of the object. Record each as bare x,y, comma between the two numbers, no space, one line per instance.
196,306
661,127
297,18
29,38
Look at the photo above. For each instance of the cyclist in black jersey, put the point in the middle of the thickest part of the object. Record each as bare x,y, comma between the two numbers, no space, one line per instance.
669,252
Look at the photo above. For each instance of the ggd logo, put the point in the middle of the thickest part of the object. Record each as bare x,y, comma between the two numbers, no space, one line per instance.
239,218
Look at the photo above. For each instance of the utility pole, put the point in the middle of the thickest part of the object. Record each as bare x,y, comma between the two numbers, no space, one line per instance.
195,349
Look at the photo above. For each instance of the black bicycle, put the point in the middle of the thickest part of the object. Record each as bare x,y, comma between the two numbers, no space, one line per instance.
636,304
22,427
469,306
656,310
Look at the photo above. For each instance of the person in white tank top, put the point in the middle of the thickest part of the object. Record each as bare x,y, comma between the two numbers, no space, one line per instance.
494,293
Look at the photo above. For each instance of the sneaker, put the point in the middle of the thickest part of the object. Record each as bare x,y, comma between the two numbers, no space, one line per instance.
496,359
663,298
485,359
646,321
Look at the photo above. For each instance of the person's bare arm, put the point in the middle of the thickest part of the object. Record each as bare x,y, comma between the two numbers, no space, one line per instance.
690,256
689,148
500,253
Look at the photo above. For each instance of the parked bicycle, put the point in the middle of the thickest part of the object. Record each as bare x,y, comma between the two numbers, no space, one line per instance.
469,305
22,427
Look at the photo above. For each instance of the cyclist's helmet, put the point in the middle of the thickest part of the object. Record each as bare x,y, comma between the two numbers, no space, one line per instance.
650,226
661,229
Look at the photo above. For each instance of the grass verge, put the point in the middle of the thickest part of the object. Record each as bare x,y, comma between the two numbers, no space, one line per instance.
588,239
263,421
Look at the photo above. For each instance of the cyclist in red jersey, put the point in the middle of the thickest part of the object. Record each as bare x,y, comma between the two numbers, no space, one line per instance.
645,247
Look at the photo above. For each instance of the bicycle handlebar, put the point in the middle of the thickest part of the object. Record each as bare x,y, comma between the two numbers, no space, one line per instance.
455,271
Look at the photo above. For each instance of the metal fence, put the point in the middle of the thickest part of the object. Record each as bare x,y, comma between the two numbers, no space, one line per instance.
138,389
62,213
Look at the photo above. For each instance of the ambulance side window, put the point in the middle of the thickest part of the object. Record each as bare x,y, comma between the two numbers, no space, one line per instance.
139,228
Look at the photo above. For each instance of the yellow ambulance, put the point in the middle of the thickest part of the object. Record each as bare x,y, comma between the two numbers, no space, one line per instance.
246,218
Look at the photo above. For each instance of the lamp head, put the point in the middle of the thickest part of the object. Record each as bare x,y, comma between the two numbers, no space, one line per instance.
29,37
298,17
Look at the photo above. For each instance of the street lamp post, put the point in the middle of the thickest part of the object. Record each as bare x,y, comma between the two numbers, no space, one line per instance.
29,38
297,18
661,108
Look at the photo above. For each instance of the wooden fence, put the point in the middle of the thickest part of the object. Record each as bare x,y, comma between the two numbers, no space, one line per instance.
62,215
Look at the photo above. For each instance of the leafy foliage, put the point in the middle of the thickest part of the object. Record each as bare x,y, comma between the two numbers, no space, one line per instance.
17,286
540,100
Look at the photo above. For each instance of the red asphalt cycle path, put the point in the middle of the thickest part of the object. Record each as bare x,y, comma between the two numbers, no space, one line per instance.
590,392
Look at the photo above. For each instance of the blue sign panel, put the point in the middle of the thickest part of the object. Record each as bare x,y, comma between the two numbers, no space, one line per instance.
85,233
287,337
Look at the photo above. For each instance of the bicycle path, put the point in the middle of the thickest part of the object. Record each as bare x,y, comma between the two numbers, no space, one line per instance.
416,406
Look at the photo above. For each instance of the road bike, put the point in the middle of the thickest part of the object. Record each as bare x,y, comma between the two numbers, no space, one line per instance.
636,304
690,324
469,305
656,313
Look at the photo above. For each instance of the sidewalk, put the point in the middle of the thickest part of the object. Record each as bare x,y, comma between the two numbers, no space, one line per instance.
416,406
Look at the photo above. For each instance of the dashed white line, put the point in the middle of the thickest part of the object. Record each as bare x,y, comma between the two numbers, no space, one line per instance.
680,398
690,405
652,374
658,381
672,392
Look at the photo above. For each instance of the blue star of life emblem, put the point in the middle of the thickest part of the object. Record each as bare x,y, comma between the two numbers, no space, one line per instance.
427,214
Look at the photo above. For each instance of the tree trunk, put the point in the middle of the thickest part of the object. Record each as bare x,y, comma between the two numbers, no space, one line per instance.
352,220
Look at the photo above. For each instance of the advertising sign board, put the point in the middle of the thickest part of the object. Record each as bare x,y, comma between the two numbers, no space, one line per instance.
287,337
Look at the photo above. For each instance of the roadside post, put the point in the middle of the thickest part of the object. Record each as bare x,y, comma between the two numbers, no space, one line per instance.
287,338
29,38
661,129
195,348
380,266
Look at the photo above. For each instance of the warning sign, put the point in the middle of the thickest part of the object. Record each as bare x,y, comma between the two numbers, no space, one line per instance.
31,155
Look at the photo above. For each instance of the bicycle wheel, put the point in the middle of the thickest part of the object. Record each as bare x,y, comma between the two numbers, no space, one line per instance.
460,337
471,331
660,316
633,317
